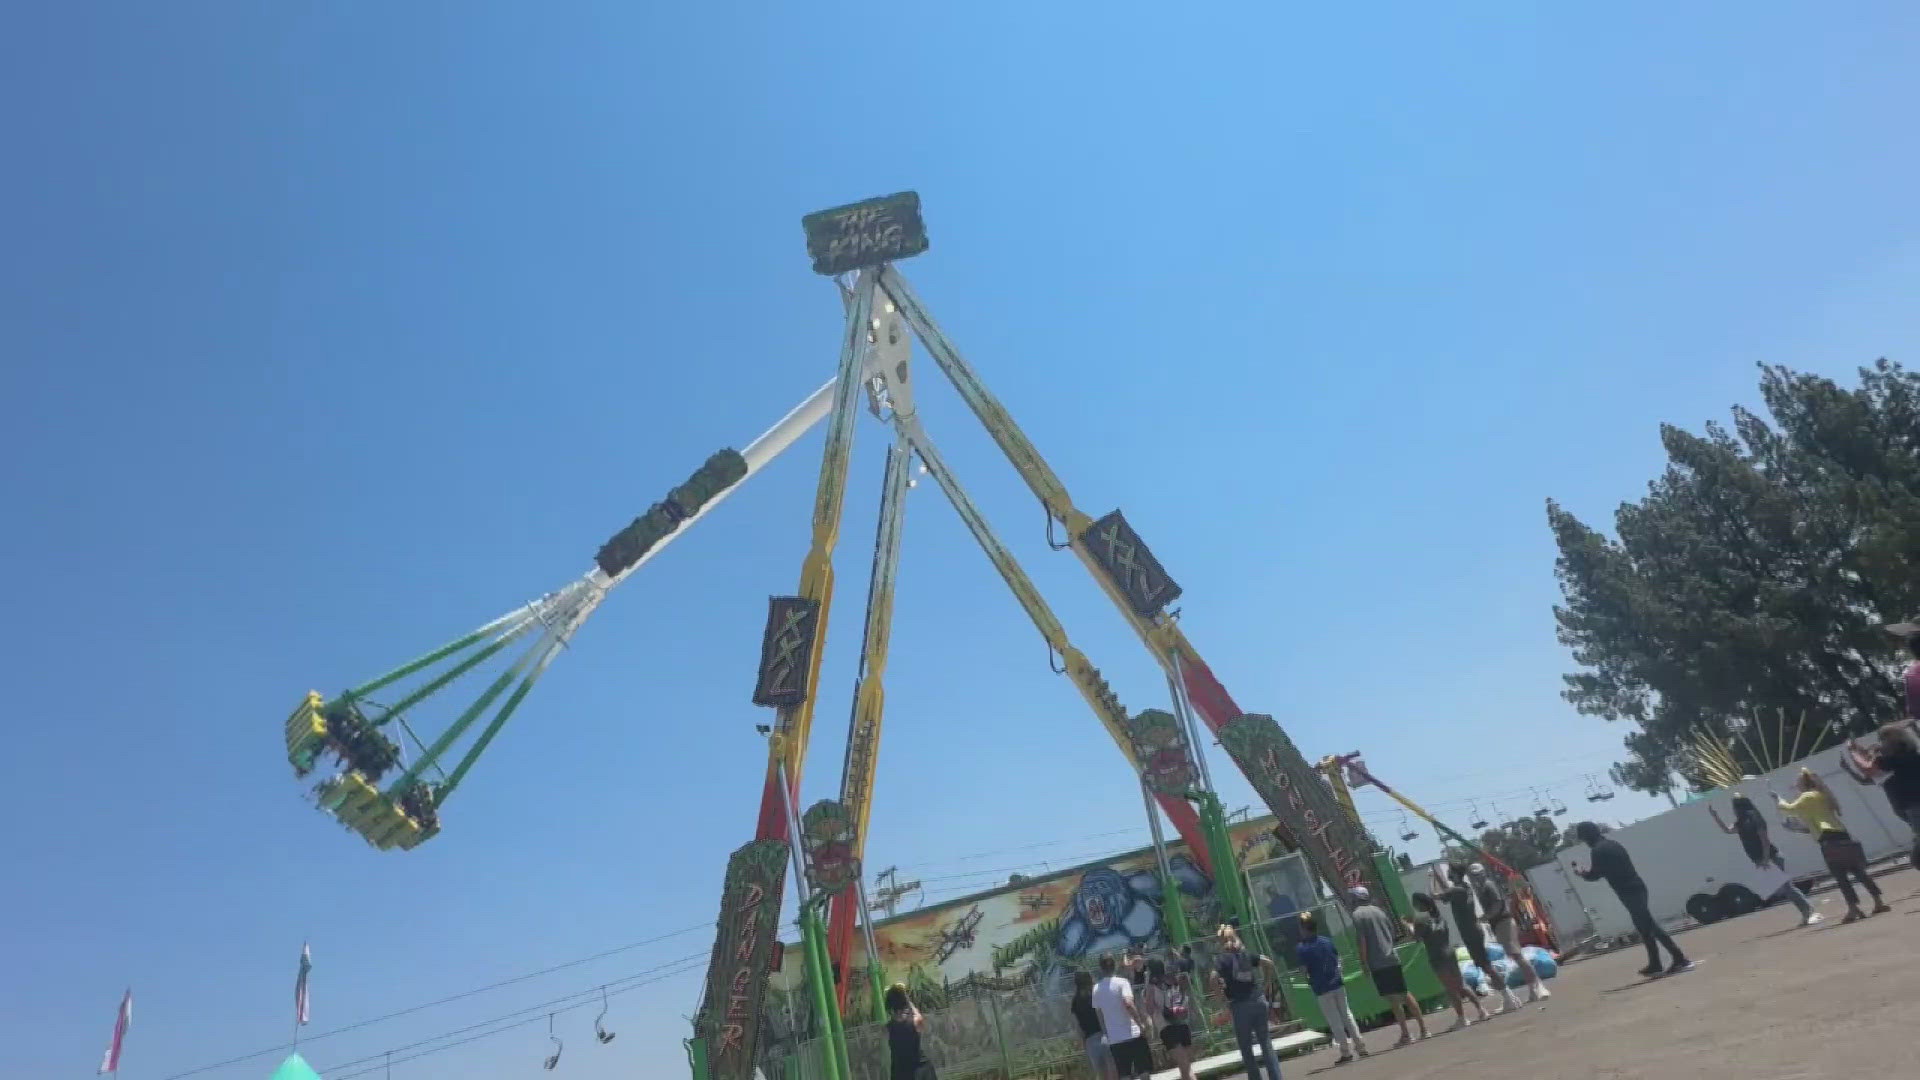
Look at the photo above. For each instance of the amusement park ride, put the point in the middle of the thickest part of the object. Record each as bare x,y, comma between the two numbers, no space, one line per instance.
367,727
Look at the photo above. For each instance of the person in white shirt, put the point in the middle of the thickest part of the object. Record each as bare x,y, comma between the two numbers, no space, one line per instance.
1125,1023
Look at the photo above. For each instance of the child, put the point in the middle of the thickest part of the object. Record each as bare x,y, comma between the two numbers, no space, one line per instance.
1429,927
1322,962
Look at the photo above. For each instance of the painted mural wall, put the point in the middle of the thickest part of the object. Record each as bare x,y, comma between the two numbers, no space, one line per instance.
1022,932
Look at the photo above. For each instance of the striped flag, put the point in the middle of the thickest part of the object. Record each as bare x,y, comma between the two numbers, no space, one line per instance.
300,985
111,1063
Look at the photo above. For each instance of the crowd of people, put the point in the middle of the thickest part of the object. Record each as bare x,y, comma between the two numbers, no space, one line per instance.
1120,1010
1132,1001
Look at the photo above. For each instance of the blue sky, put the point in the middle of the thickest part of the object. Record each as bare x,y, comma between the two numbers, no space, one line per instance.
334,330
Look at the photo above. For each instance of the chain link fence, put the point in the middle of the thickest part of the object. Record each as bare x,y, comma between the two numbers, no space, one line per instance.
985,1035
982,1033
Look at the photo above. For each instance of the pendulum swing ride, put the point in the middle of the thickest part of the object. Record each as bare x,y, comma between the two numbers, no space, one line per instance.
372,730
355,730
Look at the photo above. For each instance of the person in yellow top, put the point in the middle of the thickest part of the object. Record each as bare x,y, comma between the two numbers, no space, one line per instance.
1814,806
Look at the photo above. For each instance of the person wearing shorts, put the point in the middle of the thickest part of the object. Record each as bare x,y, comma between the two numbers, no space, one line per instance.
1373,935
1451,881
1506,929
1430,927
1167,998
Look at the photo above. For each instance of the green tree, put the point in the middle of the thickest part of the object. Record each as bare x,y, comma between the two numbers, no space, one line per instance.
1754,575
1567,839
1523,843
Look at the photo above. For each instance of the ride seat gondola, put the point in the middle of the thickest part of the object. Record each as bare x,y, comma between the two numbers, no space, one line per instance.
307,733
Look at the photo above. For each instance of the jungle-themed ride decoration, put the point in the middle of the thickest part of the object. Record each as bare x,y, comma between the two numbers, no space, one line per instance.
743,949
1160,743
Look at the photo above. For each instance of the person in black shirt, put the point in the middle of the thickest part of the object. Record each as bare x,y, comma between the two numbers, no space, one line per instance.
1896,763
1243,976
1184,965
1751,828
905,1025
1137,971
1430,928
1450,884
1092,1031
1610,861
1167,995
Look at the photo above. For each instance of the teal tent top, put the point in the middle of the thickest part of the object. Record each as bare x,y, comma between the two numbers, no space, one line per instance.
294,1068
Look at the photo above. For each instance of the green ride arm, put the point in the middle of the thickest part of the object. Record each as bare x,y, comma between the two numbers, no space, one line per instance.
462,723
437,655
451,674
499,720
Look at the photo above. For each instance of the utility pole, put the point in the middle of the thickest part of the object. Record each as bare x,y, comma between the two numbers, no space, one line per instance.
888,889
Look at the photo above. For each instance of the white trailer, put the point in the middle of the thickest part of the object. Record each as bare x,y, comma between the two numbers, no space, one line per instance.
1681,853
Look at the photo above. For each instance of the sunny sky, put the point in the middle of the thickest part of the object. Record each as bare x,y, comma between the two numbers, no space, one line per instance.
333,330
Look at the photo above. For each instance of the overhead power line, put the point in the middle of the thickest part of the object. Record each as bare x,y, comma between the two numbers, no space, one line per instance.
357,1025
579,999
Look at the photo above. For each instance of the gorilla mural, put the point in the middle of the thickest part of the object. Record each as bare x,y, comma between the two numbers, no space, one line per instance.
1111,910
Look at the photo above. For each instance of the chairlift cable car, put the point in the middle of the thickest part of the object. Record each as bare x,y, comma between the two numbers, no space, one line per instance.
599,1027
558,1046
1543,808
1478,822
1406,828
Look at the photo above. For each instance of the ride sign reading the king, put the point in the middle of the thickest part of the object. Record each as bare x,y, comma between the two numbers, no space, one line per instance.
865,234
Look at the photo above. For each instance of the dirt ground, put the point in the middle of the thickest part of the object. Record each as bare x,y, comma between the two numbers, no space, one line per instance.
1768,1001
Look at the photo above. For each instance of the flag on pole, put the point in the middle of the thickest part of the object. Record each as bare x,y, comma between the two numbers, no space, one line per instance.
300,986
111,1063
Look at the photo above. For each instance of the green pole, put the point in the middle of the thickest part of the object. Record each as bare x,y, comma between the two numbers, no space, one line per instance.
876,992
448,676
433,657
833,1040
834,1020
818,990
1226,871
493,728
836,1033
1178,933
465,720
1170,908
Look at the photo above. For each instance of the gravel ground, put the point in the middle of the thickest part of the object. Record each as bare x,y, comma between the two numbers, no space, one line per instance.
1768,1001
